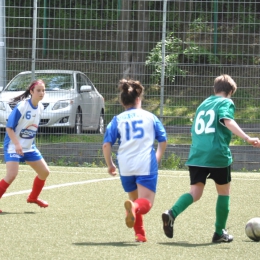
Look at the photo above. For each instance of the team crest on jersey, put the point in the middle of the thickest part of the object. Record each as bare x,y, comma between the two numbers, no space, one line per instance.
29,132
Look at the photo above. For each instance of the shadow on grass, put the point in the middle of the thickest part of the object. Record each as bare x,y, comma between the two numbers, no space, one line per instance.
16,213
118,244
186,244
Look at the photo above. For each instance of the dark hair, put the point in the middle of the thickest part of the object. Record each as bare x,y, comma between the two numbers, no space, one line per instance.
27,92
225,83
129,91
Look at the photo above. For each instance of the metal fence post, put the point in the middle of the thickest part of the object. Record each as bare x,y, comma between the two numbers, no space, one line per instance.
2,45
34,37
163,59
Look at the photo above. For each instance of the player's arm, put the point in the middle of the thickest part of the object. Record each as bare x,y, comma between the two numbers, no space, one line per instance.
235,129
108,158
161,137
160,150
11,134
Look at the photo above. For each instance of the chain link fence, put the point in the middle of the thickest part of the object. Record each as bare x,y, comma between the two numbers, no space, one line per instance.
175,48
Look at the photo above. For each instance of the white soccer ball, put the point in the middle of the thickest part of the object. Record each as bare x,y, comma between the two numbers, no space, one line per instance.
252,229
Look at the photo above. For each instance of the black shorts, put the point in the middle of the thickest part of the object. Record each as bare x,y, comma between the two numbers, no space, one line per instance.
201,174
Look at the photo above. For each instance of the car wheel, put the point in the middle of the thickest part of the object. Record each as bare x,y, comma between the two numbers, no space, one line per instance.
78,123
101,124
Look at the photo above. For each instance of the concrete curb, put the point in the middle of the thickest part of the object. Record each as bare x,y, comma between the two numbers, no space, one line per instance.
246,158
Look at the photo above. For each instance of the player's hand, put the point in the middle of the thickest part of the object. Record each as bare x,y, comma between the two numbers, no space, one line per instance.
19,149
112,170
256,144
253,140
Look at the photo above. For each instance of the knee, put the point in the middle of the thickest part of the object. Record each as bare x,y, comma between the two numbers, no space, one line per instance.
44,174
196,196
47,173
10,177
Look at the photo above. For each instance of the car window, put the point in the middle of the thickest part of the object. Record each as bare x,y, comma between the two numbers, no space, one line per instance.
19,83
53,82
88,81
82,80
56,82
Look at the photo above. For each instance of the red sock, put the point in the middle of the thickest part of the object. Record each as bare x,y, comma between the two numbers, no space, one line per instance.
3,187
37,187
142,206
138,227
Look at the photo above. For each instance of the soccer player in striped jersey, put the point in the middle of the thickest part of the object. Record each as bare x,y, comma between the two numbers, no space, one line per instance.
19,145
136,131
210,156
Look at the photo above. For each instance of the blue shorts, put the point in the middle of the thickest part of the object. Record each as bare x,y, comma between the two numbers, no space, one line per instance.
129,183
29,156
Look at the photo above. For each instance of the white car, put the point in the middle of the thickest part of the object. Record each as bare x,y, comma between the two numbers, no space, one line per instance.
71,100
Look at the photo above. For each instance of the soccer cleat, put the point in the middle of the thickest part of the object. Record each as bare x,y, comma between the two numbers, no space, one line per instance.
130,213
168,221
225,237
140,238
39,202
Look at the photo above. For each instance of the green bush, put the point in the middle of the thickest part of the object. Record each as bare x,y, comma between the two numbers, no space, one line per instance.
172,162
174,47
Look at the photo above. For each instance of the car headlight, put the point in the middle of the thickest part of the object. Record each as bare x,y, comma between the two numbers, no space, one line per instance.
2,106
62,104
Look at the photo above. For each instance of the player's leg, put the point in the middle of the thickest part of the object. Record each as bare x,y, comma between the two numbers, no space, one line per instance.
143,205
129,186
140,203
198,177
11,173
42,170
146,188
131,215
222,211
145,199
222,180
12,167
130,208
186,199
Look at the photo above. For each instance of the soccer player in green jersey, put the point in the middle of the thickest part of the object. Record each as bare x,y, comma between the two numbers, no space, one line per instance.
210,156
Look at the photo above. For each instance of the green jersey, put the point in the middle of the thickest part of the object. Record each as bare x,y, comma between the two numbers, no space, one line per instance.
210,136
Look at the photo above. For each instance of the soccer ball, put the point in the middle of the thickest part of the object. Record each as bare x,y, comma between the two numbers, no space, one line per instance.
252,229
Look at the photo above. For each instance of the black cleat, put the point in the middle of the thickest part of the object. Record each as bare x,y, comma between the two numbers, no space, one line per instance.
168,221
225,237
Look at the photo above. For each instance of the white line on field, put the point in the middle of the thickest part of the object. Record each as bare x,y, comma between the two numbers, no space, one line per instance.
98,180
60,185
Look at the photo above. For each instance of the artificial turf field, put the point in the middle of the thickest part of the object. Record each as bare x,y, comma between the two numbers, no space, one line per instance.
85,218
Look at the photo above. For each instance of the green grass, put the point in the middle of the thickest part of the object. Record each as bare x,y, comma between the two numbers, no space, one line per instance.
90,138
69,138
86,220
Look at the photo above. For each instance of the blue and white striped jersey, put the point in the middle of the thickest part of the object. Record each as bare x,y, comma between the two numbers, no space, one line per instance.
24,120
136,131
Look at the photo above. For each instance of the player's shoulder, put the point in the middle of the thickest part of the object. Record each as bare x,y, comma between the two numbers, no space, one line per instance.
21,105
216,101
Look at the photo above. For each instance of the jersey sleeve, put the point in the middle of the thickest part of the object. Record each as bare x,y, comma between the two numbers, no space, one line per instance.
111,133
160,133
13,118
226,110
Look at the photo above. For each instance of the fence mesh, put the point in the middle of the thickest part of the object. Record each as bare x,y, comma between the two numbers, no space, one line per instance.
175,48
